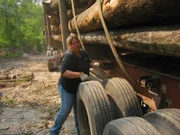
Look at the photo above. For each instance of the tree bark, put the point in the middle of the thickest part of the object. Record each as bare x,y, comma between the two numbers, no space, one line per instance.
156,40
80,3
77,4
7,76
54,28
54,20
77,11
57,37
13,77
3,77
123,13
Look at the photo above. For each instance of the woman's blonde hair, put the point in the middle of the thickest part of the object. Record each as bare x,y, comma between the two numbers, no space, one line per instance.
70,37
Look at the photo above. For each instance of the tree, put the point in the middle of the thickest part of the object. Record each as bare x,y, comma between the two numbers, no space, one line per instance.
21,25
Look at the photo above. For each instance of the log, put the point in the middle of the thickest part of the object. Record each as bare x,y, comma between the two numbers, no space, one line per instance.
54,17
8,76
52,5
7,80
155,40
3,77
54,20
54,28
26,76
15,80
57,37
77,11
126,13
13,77
77,3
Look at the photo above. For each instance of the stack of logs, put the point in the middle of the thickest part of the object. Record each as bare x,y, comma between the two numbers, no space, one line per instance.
10,79
149,26
55,26
53,16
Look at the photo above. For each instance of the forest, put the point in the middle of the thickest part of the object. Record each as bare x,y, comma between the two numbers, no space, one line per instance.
21,27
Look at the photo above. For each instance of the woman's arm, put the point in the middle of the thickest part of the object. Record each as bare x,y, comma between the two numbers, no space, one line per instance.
71,74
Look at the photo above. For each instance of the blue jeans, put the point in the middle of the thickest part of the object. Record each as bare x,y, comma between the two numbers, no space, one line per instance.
68,101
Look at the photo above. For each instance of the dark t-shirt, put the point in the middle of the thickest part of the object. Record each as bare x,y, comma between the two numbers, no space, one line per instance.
73,63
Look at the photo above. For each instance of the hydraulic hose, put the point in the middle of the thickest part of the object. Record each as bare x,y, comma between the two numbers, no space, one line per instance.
119,61
77,30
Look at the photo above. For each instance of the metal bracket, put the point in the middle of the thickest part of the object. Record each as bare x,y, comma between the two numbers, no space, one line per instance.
152,83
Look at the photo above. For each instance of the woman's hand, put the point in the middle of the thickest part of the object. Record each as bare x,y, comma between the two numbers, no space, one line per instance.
83,76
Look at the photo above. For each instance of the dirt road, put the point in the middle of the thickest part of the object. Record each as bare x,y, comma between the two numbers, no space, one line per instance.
29,107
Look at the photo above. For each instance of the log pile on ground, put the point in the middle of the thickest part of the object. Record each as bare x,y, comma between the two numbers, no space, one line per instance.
9,79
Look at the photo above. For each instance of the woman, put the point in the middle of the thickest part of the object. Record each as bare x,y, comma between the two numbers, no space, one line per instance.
75,66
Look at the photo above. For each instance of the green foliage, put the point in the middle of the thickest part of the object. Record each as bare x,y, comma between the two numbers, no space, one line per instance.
8,54
21,25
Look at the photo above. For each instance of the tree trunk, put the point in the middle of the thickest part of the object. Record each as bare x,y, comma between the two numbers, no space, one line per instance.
155,40
123,13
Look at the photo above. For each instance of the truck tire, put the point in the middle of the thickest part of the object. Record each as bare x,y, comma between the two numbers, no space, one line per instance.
93,108
166,121
130,126
123,99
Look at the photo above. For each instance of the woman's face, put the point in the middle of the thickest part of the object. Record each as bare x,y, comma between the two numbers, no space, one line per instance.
75,45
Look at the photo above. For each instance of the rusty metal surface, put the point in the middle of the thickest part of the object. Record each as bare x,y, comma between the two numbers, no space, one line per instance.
170,87
169,78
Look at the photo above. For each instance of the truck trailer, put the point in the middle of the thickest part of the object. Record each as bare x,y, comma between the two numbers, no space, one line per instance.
136,89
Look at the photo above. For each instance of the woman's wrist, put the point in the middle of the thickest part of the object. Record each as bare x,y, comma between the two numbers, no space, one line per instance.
78,74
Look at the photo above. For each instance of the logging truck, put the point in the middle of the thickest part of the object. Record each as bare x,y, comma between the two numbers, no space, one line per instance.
136,90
